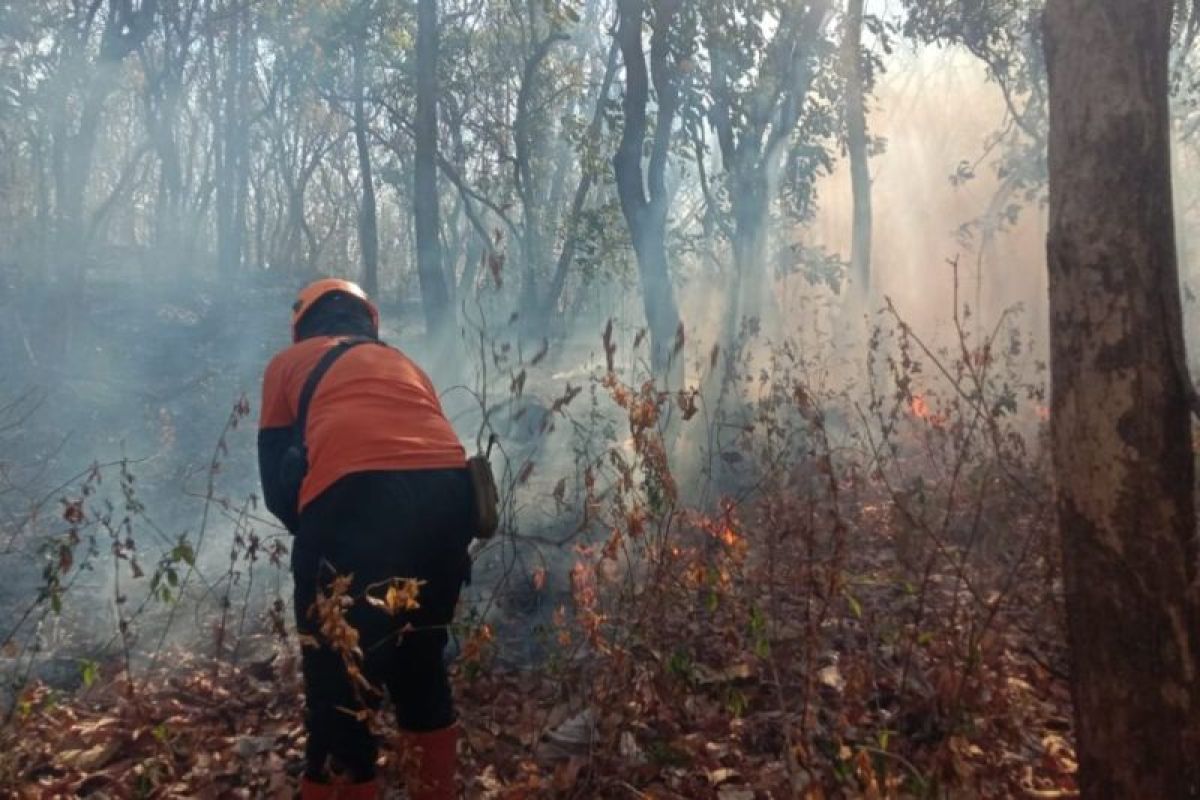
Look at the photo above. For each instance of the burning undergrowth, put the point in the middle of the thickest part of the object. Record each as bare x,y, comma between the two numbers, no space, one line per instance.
800,581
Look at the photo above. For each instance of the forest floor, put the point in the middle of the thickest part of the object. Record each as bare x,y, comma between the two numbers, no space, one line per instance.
855,594
716,710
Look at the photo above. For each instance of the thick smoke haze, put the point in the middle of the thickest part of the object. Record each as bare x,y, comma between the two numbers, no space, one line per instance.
146,361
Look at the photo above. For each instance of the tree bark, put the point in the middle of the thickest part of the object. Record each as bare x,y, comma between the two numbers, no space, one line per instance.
856,149
231,155
125,28
1123,458
161,95
368,228
751,204
647,216
532,212
241,141
434,295
752,146
587,177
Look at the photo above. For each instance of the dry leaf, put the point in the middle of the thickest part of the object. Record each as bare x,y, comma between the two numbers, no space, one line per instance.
718,776
831,676
92,758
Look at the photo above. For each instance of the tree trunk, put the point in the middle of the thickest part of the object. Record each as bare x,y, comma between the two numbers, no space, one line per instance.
368,229
587,176
1123,460
471,262
161,105
229,156
434,295
241,140
125,27
647,217
752,273
293,231
525,145
71,192
856,149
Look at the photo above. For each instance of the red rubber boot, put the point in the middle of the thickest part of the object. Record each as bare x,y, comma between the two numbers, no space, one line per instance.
429,762
311,790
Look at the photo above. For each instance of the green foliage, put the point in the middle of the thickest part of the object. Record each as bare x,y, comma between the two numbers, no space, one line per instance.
89,672
760,641
680,665
1006,37
664,754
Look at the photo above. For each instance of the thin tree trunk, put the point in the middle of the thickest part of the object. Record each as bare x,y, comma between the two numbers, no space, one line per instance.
368,228
241,141
124,29
586,178
478,240
856,149
471,262
229,245
37,150
434,295
532,213
160,126
1123,457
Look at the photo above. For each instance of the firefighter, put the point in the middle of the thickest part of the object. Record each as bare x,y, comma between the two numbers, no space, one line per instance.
384,496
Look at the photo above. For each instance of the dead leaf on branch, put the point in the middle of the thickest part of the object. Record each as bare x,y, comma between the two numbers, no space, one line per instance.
399,595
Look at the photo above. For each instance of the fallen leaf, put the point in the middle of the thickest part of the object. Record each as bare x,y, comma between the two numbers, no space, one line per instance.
723,775
707,676
92,758
831,676
629,749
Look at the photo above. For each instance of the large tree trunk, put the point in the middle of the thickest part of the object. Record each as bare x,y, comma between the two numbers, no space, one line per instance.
368,230
751,201
1120,414
434,295
647,217
856,149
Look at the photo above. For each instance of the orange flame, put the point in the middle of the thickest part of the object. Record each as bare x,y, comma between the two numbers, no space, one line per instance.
920,407
923,410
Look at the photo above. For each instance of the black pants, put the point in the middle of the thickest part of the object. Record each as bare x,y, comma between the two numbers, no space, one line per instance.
378,526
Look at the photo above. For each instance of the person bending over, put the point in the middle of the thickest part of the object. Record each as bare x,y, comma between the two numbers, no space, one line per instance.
384,496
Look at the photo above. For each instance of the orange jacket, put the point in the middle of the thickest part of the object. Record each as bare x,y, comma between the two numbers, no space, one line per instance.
373,410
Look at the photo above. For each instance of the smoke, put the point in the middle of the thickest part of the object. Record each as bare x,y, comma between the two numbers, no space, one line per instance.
933,111
167,352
